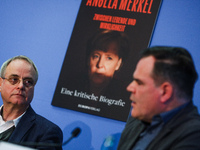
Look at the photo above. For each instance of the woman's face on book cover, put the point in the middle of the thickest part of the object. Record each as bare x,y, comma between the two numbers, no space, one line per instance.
102,65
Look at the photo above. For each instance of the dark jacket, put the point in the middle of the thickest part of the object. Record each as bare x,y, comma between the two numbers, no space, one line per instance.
182,132
35,128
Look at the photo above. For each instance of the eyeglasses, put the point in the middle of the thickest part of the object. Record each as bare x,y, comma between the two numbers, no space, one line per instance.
28,82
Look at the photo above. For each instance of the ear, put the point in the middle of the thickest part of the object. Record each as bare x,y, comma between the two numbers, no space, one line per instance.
166,92
118,64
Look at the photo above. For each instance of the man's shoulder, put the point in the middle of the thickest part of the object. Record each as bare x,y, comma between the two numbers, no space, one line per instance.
39,120
189,115
44,121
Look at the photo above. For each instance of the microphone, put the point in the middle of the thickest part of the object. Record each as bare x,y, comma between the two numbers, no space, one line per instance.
74,133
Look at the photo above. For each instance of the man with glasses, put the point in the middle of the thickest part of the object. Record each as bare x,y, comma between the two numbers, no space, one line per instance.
18,121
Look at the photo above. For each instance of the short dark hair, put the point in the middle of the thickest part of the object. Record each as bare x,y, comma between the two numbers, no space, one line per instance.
102,39
173,64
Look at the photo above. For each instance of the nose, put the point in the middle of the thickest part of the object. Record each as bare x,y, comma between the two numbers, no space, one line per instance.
100,62
131,87
20,85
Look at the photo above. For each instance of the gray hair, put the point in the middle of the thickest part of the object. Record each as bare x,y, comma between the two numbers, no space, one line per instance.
20,57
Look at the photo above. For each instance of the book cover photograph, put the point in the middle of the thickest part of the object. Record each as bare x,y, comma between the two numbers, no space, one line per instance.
101,57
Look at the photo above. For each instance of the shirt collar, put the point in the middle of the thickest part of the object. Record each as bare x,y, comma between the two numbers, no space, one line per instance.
166,116
16,120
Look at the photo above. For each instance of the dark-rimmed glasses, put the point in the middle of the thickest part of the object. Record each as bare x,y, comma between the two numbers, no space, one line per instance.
27,82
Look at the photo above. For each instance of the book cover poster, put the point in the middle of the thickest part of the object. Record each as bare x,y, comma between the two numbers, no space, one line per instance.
104,47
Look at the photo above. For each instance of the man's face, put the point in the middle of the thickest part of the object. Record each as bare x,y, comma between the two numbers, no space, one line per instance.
144,93
17,94
102,66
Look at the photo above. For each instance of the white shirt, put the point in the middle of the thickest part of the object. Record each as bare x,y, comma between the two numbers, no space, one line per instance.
4,125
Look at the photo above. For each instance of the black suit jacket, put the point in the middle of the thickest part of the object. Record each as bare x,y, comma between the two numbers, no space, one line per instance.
35,128
182,132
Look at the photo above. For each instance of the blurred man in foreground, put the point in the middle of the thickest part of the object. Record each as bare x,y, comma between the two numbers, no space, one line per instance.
163,115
